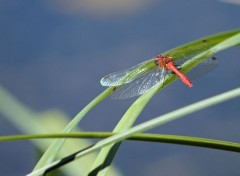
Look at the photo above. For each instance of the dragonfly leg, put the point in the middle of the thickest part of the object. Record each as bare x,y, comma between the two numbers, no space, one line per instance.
178,67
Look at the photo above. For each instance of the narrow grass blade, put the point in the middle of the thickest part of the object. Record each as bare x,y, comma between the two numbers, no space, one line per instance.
56,145
107,154
142,137
152,124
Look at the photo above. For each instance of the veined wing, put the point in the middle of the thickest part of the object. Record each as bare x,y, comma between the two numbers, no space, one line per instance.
203,68
127,75
141,84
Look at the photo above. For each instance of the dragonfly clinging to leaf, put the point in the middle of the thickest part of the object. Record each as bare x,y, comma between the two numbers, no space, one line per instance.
142,77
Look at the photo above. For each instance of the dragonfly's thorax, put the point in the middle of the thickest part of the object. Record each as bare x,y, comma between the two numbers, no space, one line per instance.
163,61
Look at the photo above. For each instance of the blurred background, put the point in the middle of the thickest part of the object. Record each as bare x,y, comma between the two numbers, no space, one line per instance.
54,53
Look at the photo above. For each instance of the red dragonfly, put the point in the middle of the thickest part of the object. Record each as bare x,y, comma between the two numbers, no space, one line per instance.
139,79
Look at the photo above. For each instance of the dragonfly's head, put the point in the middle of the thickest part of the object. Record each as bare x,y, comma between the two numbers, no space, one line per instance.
163,60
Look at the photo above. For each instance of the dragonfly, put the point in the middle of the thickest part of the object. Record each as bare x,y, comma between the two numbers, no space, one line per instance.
146,75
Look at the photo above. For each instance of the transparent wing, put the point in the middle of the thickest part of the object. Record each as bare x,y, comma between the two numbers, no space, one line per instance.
118,78
203,68
141,84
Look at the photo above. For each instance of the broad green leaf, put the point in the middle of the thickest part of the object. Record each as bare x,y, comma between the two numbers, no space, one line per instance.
196,51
